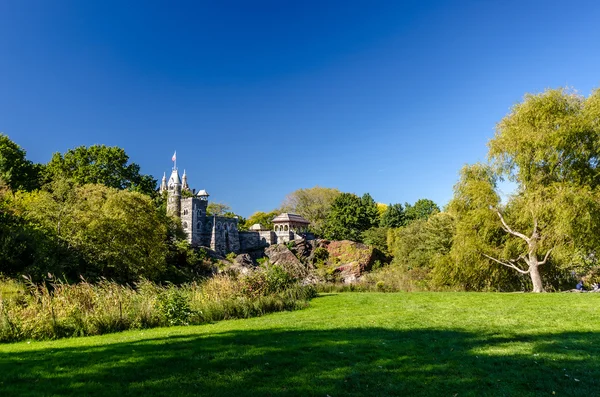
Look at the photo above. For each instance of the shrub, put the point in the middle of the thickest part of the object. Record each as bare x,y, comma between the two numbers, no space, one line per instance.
174,306
320,255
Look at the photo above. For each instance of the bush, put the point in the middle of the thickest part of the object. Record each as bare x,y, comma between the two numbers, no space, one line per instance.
174,306
320,255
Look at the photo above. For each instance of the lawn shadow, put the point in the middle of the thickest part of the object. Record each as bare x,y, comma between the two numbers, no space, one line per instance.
341,362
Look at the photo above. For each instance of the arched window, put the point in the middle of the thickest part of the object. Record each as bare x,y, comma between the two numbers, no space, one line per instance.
276,228
285,228
199,225
219,226
185,211
185,225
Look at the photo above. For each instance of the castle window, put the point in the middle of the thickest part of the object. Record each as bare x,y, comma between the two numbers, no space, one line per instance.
185,212
185,225
199,226
285,228
276,228
219,226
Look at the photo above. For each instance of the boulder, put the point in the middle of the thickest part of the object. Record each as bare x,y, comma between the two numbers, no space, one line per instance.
352,259
281,255
245,260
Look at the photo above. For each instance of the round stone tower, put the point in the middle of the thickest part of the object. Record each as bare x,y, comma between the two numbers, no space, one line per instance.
174,194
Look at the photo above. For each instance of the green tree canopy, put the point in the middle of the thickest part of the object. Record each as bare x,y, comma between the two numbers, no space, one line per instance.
15,170
313,204
119,234
549,146
350,216
218,209
100,164
421,209
393,216
265,219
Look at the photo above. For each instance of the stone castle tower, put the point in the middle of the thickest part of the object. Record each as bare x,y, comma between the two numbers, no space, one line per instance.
216,232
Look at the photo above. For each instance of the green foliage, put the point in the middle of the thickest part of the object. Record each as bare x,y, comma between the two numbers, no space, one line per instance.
271,279
393,216
119,234
421,209
265,219
16,171
218,209
320,255
99,164
174,306
350,216
417,244
313,204
377,237
231,256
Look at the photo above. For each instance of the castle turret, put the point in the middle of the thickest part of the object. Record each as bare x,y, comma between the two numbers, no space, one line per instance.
174,189
163,183
184,183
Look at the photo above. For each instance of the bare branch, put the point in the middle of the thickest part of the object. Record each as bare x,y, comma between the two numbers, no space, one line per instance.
509,230
535,225
512,266
545,257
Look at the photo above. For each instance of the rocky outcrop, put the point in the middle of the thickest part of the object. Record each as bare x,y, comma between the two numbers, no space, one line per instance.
352,259
282,256
242,264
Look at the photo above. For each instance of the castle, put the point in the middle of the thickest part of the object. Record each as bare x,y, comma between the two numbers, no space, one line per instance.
221,233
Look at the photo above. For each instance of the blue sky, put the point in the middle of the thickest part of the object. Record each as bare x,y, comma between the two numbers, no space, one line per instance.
260,98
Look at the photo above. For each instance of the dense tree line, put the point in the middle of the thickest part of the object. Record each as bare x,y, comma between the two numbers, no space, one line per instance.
88,213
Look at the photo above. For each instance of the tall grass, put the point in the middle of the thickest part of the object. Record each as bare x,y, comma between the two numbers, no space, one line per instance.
57,309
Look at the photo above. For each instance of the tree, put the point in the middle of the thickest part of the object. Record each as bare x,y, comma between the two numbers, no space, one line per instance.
416,245
118,234
265,219
350,216
16,171
421,209
100,164
313,204
393,216
477,231
550,146
218,209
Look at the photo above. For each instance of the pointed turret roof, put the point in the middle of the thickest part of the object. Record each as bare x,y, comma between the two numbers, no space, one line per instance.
174,179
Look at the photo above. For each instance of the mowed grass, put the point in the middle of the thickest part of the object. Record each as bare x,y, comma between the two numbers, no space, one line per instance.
351,344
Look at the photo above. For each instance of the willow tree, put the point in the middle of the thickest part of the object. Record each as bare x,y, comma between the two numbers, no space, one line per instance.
549,145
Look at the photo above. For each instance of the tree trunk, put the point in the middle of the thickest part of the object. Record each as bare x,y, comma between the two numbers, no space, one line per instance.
536,279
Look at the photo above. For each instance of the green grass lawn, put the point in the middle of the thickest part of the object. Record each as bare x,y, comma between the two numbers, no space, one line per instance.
352,344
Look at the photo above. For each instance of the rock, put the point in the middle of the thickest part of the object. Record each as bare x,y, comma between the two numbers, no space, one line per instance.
302,249
281,255
353,259
245,260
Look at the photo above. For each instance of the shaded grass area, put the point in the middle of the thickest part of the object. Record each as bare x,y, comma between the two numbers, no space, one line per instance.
463,344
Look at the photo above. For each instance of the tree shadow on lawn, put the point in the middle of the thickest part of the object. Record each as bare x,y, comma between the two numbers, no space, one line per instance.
341,362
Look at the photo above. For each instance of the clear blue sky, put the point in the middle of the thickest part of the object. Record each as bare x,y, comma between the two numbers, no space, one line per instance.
260,98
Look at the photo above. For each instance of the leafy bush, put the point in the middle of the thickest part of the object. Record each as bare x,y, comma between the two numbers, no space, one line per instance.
174,306
320,255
